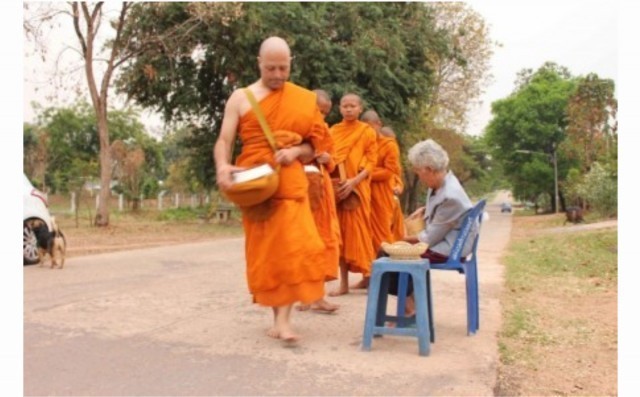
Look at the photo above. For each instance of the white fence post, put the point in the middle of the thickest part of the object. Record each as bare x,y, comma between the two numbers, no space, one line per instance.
160,199
177,201
120,202
97,201
141,200
73,202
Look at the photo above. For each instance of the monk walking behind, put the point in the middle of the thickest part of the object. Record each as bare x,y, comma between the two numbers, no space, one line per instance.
355,151
397,223
324,212
382,182
282,251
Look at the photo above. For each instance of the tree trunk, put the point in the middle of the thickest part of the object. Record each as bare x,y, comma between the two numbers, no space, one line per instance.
102,214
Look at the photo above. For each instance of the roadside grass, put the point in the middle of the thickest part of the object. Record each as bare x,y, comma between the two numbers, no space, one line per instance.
559,311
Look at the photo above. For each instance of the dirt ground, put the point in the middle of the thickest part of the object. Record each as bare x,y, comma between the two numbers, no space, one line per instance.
572,346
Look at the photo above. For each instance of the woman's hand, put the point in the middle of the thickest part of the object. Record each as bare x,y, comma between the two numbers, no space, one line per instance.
411,239
418,213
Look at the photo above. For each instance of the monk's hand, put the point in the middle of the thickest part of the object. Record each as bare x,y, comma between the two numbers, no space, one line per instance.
224,175
397,190
287,156
345,188
323,158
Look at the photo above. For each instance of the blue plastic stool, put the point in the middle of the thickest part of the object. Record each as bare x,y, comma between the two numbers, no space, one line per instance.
421,326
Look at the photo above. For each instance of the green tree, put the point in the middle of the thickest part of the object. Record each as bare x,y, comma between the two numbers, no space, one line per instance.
379,50
72,141
592,128
532,119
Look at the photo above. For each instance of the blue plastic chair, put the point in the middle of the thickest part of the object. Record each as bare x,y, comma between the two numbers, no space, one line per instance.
468,267
420,325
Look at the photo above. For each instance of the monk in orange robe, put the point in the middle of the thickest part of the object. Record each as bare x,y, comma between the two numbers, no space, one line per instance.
382,183
325,215
397,223
355,151
282,251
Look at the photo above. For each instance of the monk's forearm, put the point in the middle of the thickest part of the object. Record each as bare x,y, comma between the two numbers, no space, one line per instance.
381,174
221,153
306,153
362,175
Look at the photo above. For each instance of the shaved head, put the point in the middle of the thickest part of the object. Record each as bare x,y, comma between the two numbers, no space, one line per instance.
324,102
370,116
274,44
322,95
351,95
387,131
274,61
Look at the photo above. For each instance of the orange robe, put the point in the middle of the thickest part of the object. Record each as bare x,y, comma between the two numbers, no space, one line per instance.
382,198
397,223
326,216
355,146
282,252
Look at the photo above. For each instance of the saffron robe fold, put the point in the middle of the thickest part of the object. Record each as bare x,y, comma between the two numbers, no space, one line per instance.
382,198
282,252
355,146
326,216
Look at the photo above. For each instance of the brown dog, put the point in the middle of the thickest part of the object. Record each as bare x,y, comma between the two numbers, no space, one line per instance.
56,247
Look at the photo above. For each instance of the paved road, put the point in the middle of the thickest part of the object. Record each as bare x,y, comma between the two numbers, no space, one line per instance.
178,321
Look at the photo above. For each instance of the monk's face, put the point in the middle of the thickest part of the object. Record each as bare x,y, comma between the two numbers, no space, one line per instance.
350,107
324,106
275,67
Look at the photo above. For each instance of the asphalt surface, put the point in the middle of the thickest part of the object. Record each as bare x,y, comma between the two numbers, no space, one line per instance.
179,321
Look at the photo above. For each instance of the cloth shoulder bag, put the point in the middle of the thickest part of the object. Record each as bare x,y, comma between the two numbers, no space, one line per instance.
253,188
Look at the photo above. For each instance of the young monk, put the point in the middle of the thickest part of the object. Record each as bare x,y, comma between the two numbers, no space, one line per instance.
282,251
355,150
397,223
382,197
325,214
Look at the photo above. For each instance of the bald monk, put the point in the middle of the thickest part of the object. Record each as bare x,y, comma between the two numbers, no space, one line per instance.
282,251
397,223
355,148
326,216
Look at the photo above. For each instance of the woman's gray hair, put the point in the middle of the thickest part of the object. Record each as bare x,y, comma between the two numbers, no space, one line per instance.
429,154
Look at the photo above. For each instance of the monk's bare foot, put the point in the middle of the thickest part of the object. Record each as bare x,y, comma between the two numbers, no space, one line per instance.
339,291
362,284
289,337
322,306
303,308
273,333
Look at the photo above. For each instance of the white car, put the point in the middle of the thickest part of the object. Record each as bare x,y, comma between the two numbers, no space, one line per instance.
37,222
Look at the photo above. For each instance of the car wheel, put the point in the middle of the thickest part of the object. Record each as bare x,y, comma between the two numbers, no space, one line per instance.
30,245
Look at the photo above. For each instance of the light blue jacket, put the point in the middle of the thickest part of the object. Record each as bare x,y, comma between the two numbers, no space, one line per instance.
444,212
